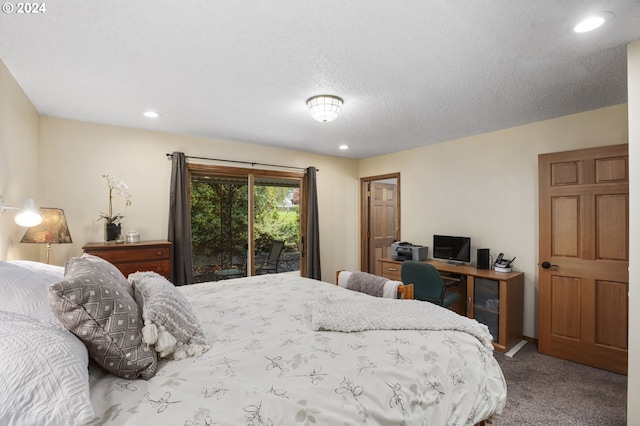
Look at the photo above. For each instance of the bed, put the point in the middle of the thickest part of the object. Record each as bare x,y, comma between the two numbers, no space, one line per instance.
269,359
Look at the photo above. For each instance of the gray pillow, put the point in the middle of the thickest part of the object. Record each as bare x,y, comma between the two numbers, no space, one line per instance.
96,307
111,269
169,322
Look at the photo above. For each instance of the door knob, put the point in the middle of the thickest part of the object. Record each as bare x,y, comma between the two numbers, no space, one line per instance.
547,265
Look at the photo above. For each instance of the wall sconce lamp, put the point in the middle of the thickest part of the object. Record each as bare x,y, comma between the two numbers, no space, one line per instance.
27,214
52,230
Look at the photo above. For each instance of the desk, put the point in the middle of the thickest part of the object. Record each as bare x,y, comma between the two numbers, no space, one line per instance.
493,298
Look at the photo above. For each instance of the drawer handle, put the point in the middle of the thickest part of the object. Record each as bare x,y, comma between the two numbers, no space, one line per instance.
392,269
159,253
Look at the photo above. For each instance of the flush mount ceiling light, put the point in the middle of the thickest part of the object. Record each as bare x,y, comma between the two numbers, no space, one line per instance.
325,108
151,114
592,22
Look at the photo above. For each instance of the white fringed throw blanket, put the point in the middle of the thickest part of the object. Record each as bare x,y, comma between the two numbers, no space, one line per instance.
360,314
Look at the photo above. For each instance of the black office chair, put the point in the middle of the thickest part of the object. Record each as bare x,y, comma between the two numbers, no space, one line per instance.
272,260
428,284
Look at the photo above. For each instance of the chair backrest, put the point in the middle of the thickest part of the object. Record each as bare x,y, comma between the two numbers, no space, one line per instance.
426,280
274,252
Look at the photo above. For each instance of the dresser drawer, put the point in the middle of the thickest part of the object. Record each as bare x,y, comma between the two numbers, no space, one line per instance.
391,270
127,254
152,256
161,267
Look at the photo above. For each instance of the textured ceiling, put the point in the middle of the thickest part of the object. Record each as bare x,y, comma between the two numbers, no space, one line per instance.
411,72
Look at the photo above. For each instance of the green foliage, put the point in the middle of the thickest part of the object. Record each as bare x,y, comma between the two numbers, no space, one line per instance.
276,221
219,220
283,225
219,223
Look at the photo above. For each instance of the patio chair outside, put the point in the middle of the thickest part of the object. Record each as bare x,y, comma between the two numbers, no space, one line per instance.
273,258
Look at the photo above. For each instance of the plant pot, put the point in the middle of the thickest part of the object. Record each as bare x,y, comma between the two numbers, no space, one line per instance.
112,232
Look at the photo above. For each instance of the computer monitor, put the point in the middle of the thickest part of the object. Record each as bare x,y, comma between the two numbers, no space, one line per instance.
453,249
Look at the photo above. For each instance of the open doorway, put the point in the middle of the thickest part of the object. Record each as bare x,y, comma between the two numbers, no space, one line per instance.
380,219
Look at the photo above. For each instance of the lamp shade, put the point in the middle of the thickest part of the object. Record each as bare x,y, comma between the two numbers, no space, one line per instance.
52,230
325,108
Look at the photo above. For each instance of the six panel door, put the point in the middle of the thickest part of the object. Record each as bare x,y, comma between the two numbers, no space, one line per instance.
584,246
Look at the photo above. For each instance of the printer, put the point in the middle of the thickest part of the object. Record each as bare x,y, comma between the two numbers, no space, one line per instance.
408,251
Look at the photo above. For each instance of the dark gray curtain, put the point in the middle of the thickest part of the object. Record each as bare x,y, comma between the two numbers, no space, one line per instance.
180,222
313,227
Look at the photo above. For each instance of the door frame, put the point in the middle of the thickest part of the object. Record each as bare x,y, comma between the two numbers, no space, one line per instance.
250,174
365,214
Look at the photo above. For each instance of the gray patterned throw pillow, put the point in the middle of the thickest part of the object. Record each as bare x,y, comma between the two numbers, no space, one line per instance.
96,307
111,269
169,322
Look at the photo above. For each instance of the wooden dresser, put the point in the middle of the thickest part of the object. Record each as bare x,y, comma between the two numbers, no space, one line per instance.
133,257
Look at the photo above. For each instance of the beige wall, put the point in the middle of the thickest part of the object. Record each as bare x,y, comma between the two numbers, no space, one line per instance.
60,163
19,167
486,187
75,155
633,394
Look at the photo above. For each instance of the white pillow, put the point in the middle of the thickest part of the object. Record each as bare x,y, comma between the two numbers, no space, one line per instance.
23,288
170,324
43,374
39,267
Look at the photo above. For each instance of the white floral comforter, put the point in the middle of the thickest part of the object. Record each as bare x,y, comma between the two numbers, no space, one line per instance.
267,366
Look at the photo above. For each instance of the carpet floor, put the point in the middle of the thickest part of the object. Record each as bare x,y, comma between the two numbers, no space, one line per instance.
543,390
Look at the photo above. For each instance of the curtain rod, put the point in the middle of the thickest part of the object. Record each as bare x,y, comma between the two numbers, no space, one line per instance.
243,162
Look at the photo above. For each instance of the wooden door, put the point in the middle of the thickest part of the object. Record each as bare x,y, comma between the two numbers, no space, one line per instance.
584,256
383,223
378,205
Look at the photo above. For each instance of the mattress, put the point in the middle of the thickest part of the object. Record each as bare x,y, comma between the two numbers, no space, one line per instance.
267,366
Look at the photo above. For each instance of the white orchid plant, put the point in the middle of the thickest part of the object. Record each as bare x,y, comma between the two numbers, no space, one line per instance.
120,188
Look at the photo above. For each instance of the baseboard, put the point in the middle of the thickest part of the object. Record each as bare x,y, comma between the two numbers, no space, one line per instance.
525,339
515,348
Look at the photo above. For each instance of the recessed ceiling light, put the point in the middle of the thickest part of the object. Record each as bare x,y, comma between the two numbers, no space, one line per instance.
593,22
344,147
151,114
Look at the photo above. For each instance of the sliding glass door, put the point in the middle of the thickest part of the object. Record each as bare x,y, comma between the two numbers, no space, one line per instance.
276,217
244,222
